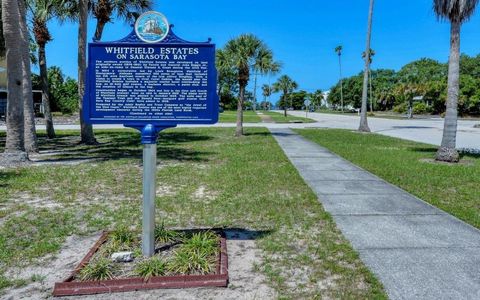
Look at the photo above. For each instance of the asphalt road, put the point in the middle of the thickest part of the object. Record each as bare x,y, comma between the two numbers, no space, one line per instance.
420,130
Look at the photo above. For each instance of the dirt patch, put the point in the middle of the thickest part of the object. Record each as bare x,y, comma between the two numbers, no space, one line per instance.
265,118
204,194
166,190
52,269
463,162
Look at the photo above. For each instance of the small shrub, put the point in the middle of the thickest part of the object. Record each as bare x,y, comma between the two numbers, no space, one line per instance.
197,255
420,108
191,262
123,235
151,267
163,235
204,242
101,269
401,108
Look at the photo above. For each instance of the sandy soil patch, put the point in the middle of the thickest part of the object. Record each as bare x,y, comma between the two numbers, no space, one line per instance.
52,269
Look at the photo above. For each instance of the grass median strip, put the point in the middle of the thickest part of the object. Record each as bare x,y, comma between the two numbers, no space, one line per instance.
280,118
410,165
206,178
229,116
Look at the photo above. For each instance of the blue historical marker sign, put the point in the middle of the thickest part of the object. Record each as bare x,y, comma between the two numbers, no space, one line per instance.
151,77
151,80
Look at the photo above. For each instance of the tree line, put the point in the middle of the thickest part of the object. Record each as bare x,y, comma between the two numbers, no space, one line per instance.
426,78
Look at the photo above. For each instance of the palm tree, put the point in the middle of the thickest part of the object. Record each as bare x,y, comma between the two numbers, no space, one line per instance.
43,11
371,54
338,50
363,117
103,10
285,85
30,134
457,12
266,92
13,35
86,130
245,54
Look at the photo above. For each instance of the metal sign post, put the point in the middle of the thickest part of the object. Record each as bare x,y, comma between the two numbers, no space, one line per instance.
149,141
149,176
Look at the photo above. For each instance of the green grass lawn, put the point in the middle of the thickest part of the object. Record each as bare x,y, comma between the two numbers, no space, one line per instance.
453,188
280,118
231,117
206,178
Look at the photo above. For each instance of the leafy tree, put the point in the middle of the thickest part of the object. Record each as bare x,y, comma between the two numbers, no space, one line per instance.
297,99
128,10
243,55
456,12
286,85
227,81
63,91
316,98
470,65
267,91
42,12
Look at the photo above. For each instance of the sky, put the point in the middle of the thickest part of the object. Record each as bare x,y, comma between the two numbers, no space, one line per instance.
302,34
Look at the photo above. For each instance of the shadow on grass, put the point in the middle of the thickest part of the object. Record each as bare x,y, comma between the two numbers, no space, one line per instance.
423,149
9,175
118,145
265,133
433,150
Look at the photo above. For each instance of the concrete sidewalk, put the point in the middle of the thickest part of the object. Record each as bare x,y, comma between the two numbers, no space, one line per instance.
416,250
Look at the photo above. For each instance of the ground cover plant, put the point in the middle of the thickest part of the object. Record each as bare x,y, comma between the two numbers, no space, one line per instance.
280,118
410,165
177,253
249,116
206,178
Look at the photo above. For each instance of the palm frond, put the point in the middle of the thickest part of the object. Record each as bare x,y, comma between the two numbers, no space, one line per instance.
458,11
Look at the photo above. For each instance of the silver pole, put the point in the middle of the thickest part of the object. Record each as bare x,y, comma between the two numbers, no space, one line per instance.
149,175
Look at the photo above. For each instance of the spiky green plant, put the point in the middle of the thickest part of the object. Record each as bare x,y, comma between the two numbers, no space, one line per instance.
202,242
100,269
151,267
123,235
191,262
163,235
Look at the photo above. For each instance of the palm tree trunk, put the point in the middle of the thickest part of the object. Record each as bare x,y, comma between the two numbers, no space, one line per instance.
363,117
14,146
99,31
371,90
30,135
284,104
86,130
42,61
239,129
341,81
447,151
